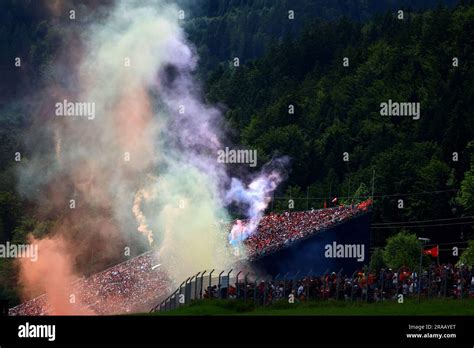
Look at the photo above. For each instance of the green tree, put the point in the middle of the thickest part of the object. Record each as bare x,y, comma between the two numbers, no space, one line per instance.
377,259
292,200
361,193
402,249
10,212
467,257
466,194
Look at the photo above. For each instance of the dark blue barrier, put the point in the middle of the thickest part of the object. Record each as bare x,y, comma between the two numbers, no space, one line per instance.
315,254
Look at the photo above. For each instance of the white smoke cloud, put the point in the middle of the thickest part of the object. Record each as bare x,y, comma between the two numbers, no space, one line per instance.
255,197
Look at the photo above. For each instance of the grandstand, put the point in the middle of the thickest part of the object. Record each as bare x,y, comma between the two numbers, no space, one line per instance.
131,286
280,231
136,285
350,232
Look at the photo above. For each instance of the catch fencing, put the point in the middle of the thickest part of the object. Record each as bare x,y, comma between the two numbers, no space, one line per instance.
384,285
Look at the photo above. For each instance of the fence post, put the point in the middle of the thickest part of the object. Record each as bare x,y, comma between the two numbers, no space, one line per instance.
382,284
352,286
420,275
338,281
398,281
265,285
175,299
210,278
295,287
167,304
445,283
276,287
285,277
163,304
245,286
309,282
187,290
202,280
219,286
190,288
228,282
429,282
366,273
255,291
171,300
196,285
237,286
324,283
180,292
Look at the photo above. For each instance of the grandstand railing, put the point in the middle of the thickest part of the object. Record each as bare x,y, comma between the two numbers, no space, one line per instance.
362,285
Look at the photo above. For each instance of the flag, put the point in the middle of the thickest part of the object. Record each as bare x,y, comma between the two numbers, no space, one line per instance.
432,252
324,204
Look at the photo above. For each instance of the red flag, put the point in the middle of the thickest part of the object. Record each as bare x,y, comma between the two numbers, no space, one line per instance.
432,252
324,204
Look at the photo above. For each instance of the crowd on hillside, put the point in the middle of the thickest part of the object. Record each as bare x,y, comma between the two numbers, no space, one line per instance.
130,286
277,231
133,285
444,280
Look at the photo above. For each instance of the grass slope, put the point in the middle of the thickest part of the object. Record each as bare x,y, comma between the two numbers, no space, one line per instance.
409,307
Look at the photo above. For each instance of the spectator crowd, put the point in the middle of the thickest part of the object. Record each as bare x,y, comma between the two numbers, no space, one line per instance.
277,231
127,287
135,284
445,280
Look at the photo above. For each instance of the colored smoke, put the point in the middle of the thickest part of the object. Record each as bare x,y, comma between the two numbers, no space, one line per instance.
256,197
146,162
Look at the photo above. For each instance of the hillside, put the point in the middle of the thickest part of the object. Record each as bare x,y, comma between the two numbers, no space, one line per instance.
336,109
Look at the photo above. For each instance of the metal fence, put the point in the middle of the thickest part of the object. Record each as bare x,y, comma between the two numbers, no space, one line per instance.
362,285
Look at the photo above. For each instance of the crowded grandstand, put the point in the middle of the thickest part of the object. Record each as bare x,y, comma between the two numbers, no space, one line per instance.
130,286
137,284
278,231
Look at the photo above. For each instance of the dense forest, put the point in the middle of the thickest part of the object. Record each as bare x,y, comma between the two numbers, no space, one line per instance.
337,111
292,94
246,28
